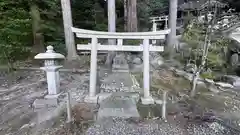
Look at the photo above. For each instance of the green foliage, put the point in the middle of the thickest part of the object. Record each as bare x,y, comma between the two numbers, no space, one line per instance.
15,32
149,8
194,36
16,24
133,42
52,24
207,75
216,57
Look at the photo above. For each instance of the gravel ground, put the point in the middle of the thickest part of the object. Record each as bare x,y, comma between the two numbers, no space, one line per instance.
18,91
117,126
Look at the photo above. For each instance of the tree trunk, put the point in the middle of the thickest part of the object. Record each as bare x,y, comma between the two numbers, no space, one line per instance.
111,28
194,84
207,43
69,37
125,15
173,25
38,43
131,16
132,22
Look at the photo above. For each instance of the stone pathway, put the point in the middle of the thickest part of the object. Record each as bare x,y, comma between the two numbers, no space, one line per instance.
115,82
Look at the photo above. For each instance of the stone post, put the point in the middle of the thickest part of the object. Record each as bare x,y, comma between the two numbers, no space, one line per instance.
164,105
166,22
52,70
146,99
92,98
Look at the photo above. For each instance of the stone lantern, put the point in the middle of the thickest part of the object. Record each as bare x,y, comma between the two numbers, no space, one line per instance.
51,67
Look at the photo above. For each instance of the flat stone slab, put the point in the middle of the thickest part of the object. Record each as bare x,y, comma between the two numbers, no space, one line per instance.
119,105
45,103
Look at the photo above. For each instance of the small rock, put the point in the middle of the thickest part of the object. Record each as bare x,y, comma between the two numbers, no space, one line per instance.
191,68
209,81
159,102
137,61
28,125
200,83
25,126
208,117
224,85
212,89
157,61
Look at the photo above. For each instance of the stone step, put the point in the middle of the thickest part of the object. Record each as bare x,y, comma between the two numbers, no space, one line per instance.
120,104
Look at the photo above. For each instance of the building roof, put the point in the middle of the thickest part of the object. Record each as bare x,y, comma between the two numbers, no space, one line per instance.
199,4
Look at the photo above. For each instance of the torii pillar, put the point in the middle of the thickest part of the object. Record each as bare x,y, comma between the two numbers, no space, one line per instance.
172,40
69,36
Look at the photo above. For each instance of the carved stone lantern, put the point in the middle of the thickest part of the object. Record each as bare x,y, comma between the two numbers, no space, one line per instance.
51,67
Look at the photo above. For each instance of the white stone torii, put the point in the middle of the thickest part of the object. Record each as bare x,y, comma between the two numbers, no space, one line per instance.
154,21
236,35
67,22
159,19
94,46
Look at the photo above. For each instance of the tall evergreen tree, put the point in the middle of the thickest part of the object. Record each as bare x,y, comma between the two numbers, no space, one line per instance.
15,32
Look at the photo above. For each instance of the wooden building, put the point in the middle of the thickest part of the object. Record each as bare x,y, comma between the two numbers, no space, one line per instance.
199,7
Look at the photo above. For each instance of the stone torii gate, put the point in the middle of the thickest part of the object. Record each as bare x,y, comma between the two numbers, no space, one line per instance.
94,46
236,35
154,21
69,37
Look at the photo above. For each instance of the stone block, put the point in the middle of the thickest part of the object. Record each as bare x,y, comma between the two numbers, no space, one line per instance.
45,103
103,96
53,96
128,95
119,62
147,101
159,101
48,115
224,85
89,99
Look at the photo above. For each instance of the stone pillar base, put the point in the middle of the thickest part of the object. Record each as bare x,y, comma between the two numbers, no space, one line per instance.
147,101
52,96
90,99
